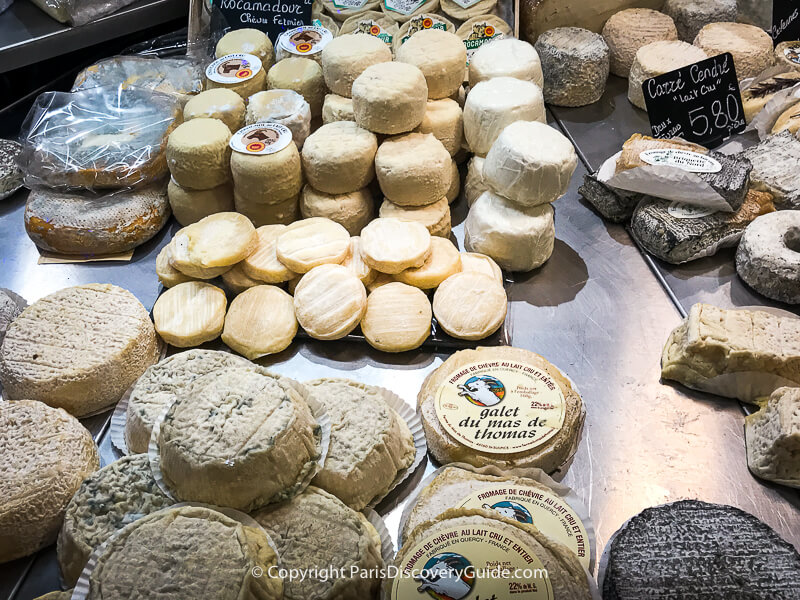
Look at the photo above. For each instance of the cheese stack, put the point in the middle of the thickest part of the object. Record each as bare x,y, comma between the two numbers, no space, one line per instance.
286,107
629,30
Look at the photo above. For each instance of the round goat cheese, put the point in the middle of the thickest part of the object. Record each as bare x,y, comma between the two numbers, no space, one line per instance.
390,98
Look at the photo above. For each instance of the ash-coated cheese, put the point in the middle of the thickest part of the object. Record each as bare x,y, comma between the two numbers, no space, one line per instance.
46,453
247,41
398,317
455,10
470,305
413,169
656,59
517,238
352,546
474,183
337,108
773,438
263,263
79,348
300,75
690,16
189,206
629,30
370,443
435,217
106,501
530,163
153,550
260,321
198,154
222,104
338,158
480,263
496,103
575,63
347,56
441,56
390,245
506,57
329,302
267,178
284,212
239,437
352,210
356,264
390,98
168,275
751,46
311,242
286,107
190,314
444,261
444,119
162,383
235,280
774,161
219,240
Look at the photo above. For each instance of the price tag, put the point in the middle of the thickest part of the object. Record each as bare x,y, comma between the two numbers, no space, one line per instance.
273,18
785,20
700,103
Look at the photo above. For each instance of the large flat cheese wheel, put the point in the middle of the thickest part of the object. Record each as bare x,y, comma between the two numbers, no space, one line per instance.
413,169
267,178
308,243
494,104
79,348
751,46
235,280
347,56
443,262
355,262
506,57
260,321
284,212
657,59
286,107
190,314
189,206
441,57
198,154
390,98
263,263
398,317
435,217
445,121
339,157
247,41
480,263
391,245
470,305
530,163
222,104
628,30
352,210
690,16
300,75
337,108
329,302
218,240
168,275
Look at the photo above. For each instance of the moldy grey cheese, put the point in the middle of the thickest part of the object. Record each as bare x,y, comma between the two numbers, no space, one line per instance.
691,16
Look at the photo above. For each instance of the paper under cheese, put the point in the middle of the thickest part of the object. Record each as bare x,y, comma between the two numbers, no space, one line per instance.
338,158
629,30
198,154
309,243
507,57
190,314
329,302
347,56
441,57
390,245
390,98
470,305
413,169
398,316
260,321
263,263
352,210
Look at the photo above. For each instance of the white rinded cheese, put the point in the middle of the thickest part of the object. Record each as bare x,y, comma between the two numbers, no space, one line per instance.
413,169
656,59
506,57
480,263
391,245
198,154
247,41
263,263
470,305
267,178
260,321
300,75
190,314
347,56
629,30
517,238
492,105
530,163
398,316
285,212
773,438
309,243
751,46
691,16
337,108
329,302
189,206
443,262
435,217
219,240
222,104
444,119
352,210
474,183
441,56
286,107
338,158
390,98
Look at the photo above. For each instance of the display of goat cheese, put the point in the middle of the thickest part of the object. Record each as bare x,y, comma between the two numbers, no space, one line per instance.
773,438
628,30
751,46
774,161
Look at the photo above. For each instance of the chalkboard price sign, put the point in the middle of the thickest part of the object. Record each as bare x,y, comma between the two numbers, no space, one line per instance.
273,17
700,103
785,20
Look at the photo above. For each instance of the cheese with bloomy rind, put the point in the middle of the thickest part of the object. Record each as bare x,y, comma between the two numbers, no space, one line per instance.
168,275
435,217
444,120
690,16
774,161
219,240
82,223
162,383
474,183
629,30
46,455
441,57
470,305
480,263
222,104
398,316
198,154
658,58
443,262
352,210
751,46
247,41
575,63
260,321
106,501
79,348
283,213
189,206
370,443
329,302
355,263
347,56
338,158
285,107
773,438
300,75
517,238
413,169
756,96
337,108
263,263
494,104
267,178
190,314
309,243
390,245
390,98
239,554
506,57
239,437
530,163
353,546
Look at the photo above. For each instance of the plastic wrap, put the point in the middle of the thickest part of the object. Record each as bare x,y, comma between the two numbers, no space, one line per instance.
281,106
102,138
80,12
10,174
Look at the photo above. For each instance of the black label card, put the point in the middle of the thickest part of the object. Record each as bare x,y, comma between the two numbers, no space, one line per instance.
785,20
273,17
700,103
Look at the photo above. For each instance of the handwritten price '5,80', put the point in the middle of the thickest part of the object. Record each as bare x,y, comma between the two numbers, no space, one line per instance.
721,117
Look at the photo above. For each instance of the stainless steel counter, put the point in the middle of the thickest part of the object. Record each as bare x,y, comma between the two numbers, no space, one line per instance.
595,310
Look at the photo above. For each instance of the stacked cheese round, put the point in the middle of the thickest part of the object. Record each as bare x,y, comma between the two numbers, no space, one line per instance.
750,46
286,107
441,57
301,75
347,56
444,119
222,104
390,98
690,16
247,41
628,30
506,57
656,59
198,154
413,169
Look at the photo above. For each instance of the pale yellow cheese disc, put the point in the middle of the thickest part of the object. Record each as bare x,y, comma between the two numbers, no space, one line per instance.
391,245
221,239
312,242
356,264
189,271
398,318
329,302
260,321
263,263
480,263
237,281
190,314
444,261
168,275
291,285
470,305
381,279
435,217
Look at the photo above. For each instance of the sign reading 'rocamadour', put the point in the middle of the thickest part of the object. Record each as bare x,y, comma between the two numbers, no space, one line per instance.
273,17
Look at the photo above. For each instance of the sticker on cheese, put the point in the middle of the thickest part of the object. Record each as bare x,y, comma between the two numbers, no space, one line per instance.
337,108
356,264
508,57
628,30
189,206
198,154
444,119
679,210
266,178
480,30
338,158
261,138
219,240
352,210
309,243
260,321
402,10
470,306
346,57
372,23
248,41
263,263
390,98
435,217
419,23
300,75
190,314
413,169
788,54
693,162
282,213
657,59
308,41
398,316
225,105
390,245
235,280
751,46
443,262
329,302
242,73
440,56
284,107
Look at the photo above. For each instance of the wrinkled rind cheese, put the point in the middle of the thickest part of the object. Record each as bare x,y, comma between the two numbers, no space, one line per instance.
190,314
398,317
247,41
444,261
267,178
441,57
444,120
300,75
370,443
352,210
283,213
338,158
773,438
389,245
773,163
506,57
11,306
390,98
690,16
629,30
657,59
413,169
46,453
337,108
494,104
751,46
260,321
470,305
222,104
189,206
263,263
79,348
219,240
329,302
435,217
309,243
198,154
347,56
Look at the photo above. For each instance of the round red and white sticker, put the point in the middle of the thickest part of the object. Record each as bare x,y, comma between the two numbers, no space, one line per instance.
233,68
261,138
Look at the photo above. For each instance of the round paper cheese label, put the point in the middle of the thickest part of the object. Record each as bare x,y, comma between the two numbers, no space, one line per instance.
546,510
501,407
694,162
679,210
261,138
792,53
306,40
233,68
422,22
370,27
465,563
404,7
482,33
